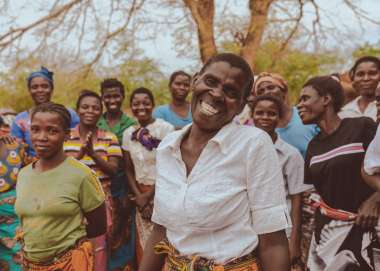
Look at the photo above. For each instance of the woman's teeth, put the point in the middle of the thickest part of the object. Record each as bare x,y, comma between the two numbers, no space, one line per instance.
208,109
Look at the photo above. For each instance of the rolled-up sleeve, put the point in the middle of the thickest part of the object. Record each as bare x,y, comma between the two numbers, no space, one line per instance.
265,187
372,156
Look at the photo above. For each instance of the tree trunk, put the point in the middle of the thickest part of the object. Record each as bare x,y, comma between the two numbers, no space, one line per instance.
259,17
202,12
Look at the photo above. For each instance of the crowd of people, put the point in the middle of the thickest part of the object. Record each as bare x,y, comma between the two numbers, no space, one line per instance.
237,179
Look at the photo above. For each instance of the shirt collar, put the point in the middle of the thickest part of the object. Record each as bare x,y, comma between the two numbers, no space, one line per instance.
124,121
354,104
222,138
279,145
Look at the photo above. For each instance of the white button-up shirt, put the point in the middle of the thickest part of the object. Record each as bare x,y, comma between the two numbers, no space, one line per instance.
372,155
234,192
351,110
292,165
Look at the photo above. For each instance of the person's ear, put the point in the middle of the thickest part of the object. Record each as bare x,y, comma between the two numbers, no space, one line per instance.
327,99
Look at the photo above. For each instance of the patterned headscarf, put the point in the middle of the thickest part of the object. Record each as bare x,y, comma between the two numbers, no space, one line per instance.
274,78
44,73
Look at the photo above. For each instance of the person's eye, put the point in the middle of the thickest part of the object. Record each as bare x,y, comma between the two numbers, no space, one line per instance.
260,91
360,74
52,131
33,129
231,93
211,81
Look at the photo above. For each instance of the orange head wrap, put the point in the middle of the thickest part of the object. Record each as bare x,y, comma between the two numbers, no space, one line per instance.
274,78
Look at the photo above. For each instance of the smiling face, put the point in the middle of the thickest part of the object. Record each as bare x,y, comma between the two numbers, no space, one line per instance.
180,87
112,99
89,111
40,90
311,105
268,88
366,78
142,107
47,134
217,96
266,116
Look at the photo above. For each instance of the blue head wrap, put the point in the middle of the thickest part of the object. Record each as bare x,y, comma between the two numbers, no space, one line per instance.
44,73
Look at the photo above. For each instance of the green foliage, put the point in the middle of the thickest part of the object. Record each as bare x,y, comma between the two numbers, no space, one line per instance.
68,84
144,73
367,50
295,65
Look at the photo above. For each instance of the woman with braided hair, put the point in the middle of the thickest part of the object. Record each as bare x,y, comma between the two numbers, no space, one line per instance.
54,195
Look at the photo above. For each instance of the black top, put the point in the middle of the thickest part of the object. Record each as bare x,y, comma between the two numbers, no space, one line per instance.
333,163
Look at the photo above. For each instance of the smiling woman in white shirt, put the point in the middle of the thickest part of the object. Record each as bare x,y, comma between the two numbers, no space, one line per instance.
219,203
365,77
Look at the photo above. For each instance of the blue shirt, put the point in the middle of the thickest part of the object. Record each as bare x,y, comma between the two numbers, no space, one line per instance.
164,112
297,134
21,128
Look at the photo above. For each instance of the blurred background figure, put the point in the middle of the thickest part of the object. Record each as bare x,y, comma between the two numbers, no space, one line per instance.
365,77
178,112
139,144
8,116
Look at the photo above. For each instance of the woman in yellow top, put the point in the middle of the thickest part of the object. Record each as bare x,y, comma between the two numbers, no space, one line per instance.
60,202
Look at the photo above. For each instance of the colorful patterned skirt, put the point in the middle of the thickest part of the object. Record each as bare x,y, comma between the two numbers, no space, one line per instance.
101,243
175,262
144,225
79,258
123,240
10,254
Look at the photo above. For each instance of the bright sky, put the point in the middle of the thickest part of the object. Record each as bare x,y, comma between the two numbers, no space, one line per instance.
162,50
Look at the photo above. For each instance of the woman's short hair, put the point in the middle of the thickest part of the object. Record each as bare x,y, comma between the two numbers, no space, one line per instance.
112,83
174,75
88,93
55,108
361,60
142,90
277,102
237,62
327,85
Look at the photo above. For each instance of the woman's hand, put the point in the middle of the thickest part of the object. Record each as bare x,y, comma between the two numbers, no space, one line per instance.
141,200
369,212
295,255
89,146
